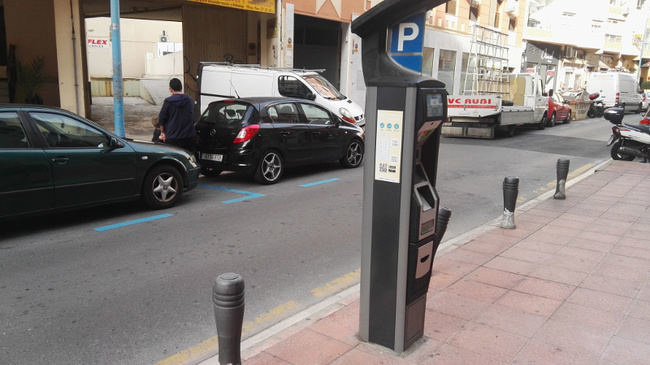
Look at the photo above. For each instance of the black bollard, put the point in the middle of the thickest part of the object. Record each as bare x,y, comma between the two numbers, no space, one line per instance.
510,191
228,299
441,227
562,173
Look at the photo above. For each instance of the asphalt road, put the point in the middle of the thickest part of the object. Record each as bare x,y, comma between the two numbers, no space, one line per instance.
140,293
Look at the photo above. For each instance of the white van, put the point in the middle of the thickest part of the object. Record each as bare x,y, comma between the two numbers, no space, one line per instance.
616,89
218,81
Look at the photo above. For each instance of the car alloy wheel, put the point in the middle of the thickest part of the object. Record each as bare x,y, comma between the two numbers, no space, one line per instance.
163,186
353,154
270,168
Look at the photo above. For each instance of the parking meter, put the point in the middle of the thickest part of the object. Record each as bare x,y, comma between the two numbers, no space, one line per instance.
404,113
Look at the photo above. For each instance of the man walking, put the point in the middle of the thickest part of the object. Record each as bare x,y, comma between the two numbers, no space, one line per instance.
175,118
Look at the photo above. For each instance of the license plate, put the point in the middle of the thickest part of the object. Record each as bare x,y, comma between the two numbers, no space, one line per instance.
212,157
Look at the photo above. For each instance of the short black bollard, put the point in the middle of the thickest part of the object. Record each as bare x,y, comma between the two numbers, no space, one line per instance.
228,299
562,173
510,192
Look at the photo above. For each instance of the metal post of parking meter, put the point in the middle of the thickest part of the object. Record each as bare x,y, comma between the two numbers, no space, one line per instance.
228,299
404,114
562,174
510,192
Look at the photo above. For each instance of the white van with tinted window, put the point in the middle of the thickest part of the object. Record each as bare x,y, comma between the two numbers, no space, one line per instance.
218,81
616,89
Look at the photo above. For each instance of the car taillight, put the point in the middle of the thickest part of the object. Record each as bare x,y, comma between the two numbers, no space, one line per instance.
645,121
618,97
246,133
615,131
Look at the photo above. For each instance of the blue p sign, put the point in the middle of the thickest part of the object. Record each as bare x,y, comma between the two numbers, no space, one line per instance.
407,41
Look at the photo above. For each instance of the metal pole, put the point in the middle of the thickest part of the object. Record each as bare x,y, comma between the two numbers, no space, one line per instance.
510,192
228,299
118,102
562,174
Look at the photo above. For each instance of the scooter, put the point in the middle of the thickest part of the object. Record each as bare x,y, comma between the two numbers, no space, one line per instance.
596,109
627,141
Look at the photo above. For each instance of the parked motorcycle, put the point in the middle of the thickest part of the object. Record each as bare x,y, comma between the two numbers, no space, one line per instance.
596,109
627,141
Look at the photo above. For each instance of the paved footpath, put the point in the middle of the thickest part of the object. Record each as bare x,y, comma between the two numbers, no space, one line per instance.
570,285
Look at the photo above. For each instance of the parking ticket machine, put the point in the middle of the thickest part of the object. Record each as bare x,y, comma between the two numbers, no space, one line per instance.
401,225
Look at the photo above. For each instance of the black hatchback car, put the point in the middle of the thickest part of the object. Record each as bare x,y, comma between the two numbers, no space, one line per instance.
263,136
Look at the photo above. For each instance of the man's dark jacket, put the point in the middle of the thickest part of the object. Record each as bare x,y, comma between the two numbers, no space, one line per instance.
176,117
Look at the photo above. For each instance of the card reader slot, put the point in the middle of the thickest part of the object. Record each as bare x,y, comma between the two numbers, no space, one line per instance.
428,201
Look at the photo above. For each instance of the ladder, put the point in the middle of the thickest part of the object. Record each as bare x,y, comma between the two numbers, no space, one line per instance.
487,64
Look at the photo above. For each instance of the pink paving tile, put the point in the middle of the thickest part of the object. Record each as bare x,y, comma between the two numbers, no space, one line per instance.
590,245
528,303
641,253
491,247
523,254
559,274
642,226
599,237
539,246
640,309
590,213
540,353
635,242
606,322
599,300
610,285
264,358
628,352
487,340
550,237
476,290
569,334
561,231
453,267
566,221
644,293
641,234
440,326
572,263
576,217
581,253
441,280
456,305
620,272
545,288
548,213
502,279
309,347
510,320
342,325
357,356
453,355
511,265
635,329
467,256
627,261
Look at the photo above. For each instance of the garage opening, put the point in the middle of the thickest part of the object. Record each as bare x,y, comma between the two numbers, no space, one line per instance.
318,46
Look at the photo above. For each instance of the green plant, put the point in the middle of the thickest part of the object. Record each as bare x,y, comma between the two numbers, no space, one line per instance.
30,79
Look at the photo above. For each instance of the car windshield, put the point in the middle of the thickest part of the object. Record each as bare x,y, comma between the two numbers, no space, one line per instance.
323,87
227,114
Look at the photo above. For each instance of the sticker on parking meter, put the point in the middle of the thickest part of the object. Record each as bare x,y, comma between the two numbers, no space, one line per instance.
388,147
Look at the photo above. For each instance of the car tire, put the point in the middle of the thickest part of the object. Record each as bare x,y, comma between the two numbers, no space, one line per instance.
162,187
640,107
619,156
211,171
354,153
270,168
551,122
568,118
542,124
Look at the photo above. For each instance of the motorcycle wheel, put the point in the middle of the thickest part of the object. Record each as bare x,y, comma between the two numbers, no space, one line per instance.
619,156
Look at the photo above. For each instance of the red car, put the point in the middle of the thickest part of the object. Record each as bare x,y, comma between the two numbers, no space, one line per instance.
558,109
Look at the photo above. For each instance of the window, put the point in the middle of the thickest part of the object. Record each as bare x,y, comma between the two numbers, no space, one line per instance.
427,61
446,69
512,24
450,7
61,131
292,87
324,87
283,113
465,76
473,13
12,134
315,115
228,114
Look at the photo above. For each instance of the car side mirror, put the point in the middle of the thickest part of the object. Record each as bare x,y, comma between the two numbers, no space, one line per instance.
113,143
311,96
550,92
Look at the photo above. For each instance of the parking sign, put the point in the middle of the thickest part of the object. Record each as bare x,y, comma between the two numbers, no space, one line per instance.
407,41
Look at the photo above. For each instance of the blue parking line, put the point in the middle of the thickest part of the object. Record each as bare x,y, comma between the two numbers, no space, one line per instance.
320,182
248,194
132,222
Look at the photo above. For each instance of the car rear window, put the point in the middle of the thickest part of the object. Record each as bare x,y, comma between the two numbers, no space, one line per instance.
228,114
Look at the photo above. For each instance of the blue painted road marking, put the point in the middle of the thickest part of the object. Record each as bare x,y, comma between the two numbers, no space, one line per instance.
135,221
320,182
248,194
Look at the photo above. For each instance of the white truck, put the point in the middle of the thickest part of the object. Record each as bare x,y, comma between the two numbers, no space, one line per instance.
479,116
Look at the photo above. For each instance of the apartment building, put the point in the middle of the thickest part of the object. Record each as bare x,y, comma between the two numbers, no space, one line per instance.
568,40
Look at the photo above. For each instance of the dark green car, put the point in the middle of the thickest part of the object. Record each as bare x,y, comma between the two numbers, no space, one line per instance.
51,160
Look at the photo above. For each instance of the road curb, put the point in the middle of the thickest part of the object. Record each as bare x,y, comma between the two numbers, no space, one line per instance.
256,343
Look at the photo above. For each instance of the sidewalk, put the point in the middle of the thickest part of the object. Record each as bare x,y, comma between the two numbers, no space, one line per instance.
570,285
